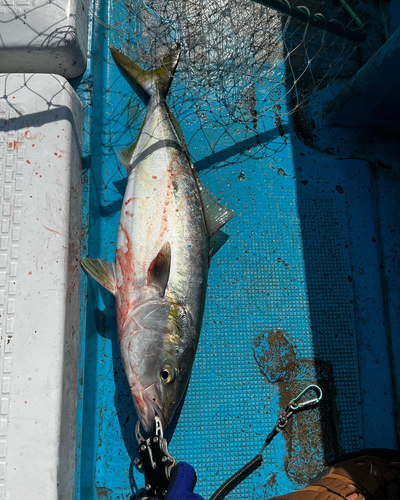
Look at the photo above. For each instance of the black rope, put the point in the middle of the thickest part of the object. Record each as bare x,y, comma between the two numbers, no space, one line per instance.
239,476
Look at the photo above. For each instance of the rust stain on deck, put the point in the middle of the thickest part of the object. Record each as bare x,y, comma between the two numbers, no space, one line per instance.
311,437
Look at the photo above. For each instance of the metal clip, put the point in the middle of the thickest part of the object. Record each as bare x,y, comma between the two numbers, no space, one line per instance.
138,434
312,387
155,460
293,406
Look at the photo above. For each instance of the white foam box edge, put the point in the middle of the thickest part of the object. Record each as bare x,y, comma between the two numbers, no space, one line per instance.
44,36
40,187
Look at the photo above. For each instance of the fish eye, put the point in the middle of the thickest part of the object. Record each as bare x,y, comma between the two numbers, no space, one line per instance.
167,374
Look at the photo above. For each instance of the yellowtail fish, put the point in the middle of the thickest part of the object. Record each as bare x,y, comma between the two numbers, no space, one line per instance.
159,278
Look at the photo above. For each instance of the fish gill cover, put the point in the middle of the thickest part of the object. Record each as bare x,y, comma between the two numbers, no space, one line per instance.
228,48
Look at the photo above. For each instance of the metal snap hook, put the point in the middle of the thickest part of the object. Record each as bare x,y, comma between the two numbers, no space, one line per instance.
312,387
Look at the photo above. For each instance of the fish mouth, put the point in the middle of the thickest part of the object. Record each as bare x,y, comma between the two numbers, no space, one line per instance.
153,408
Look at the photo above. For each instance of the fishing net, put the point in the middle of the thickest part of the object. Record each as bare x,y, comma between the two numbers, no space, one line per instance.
242,65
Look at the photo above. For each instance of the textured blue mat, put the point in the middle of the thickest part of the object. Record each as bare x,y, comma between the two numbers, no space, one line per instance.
295,296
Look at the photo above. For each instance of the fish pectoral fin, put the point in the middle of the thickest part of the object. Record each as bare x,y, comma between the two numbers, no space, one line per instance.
158,273
102,271
215,214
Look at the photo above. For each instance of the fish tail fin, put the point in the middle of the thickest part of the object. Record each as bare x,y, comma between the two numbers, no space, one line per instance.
151,81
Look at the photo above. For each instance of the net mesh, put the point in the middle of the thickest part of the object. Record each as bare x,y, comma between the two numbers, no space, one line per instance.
241,65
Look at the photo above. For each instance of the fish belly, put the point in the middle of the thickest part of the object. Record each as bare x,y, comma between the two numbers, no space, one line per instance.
162,204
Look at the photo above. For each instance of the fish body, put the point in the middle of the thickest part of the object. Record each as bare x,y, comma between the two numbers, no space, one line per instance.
159,278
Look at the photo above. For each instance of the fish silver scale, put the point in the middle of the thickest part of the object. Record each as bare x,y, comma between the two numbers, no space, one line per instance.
161,204
159,278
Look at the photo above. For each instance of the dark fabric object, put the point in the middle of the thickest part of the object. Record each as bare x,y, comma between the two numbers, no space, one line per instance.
182,482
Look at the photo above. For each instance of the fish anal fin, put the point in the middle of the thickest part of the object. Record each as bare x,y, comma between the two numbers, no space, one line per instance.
102,271
217,241
158,272
215,214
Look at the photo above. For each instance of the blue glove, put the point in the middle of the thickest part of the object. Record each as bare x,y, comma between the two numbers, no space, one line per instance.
182,482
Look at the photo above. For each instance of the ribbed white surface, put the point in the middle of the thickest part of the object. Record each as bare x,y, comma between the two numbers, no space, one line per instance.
43,36
40,201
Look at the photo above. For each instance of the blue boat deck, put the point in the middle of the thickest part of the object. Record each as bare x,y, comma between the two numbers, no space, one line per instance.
305,290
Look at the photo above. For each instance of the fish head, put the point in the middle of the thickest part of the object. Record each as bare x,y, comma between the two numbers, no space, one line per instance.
160,357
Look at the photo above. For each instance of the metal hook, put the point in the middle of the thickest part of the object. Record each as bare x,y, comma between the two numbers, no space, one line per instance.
290,411
292,407
312,387
138,434
158,430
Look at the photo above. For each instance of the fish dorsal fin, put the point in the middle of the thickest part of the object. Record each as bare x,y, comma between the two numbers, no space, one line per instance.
158,272
102,271
153,80
215,214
